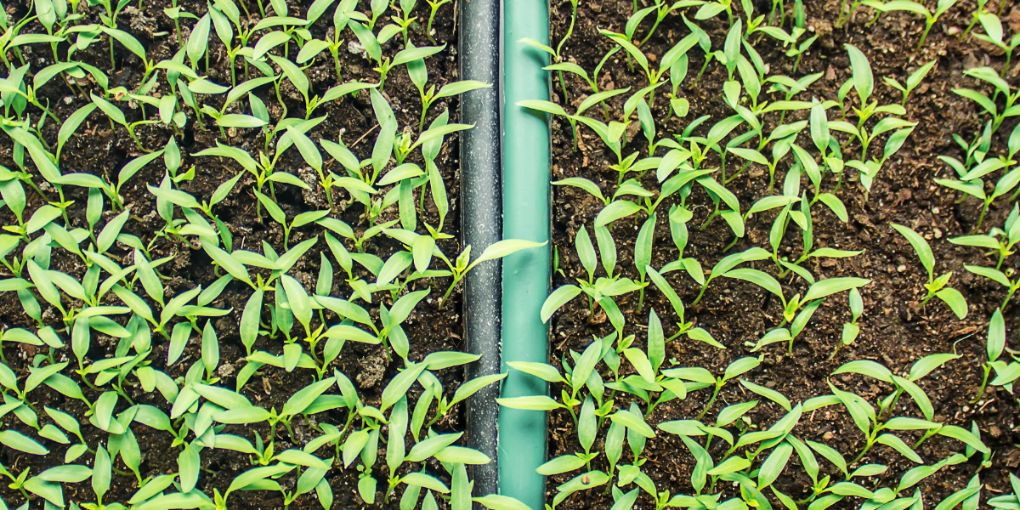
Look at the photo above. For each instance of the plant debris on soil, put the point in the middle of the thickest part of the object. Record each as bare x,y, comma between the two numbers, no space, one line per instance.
760,392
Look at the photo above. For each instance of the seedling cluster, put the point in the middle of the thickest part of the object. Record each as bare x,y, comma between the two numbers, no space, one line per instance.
230,266
709,163
221,228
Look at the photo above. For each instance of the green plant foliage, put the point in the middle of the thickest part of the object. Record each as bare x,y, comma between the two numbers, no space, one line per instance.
166,354
774,157
936,286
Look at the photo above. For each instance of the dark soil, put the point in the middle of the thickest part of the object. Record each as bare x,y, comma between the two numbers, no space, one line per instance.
101,149
895,329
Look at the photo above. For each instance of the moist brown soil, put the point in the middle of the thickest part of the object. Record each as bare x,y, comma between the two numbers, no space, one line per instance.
100,149
895,329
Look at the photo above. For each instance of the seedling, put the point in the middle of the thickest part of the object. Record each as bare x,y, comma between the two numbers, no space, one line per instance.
94,258
912,82
995,344
980,165
995,35
461,267
851,330
990,104
916,8
935,287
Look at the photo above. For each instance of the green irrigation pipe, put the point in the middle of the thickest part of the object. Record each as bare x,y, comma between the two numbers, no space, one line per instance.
522,434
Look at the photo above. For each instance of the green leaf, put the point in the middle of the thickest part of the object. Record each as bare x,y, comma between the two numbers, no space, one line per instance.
304,397
864,82
929,363
441,360
189,465
667,290
560,465
644,245
615,211
198,41
101,472
70,125
309,151
996,342
866,368
250,317
498,502
425,481
111,110
656,341
964,436
239,120
298,300
830,286
634,422
730,465
461,455
768,393
128,41
344,89
531,403
227,262
17,441
543,371
410,54
830,454
504,248
460,87
586,251
735,259
955,300
921,247
255,475
584,184
220,396
585,365
557,299
466,389
759,278
990,273
774,464
398,386
835,205
587,424
382,151
70,473
351,333
894,442
426,448
639,360
268,42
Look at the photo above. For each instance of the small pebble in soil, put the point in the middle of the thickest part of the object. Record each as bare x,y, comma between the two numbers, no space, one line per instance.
372,372
225,370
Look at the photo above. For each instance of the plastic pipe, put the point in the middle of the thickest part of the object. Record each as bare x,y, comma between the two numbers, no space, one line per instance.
478,49
522,441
